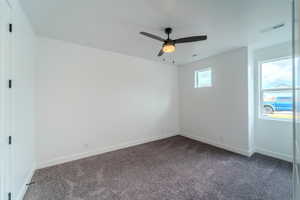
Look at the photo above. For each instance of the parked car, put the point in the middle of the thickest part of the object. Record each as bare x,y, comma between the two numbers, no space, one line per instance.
278,104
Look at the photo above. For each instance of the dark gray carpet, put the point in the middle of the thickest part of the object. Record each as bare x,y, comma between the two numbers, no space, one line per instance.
176,168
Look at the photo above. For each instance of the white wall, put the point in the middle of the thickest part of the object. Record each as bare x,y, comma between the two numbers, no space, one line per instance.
217,115
23,72
271,137
91,101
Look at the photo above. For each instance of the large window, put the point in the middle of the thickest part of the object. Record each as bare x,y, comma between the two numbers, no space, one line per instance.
203,78
276,97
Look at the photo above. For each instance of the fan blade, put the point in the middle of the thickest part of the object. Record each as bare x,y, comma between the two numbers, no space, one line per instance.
160,53
152,36
191,39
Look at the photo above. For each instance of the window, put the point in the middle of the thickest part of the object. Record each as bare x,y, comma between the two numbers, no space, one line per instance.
203,78
276,97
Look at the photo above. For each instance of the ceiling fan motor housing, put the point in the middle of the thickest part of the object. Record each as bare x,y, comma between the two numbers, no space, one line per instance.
168,30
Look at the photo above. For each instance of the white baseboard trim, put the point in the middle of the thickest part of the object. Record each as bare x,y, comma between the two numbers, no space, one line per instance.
65,159
23,190
273,154
219,145
251,152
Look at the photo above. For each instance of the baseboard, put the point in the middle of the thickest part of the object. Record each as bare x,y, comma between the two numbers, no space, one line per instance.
78,156
251,152
273,154
23,190
219,145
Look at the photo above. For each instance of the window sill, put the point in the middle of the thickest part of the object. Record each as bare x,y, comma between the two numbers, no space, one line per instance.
275,119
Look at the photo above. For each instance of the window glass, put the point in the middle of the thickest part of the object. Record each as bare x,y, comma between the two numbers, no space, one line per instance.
276,89
277,74
203,78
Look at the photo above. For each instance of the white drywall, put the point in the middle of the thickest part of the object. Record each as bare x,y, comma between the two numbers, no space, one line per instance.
23,115
271,137
217,114
91,101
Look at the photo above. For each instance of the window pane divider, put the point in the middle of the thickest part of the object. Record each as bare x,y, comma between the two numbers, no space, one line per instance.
278,89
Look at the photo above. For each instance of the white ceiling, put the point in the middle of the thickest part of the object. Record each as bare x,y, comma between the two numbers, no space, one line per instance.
114,25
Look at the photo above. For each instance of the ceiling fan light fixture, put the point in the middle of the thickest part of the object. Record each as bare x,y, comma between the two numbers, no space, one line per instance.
169,44
169,48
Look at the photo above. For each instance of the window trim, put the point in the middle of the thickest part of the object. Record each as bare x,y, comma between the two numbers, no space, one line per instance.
196,77
261,90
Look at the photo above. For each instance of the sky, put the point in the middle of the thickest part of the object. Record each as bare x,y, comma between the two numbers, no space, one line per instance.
277,74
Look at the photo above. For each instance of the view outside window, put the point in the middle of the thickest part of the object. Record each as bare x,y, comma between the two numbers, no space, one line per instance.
203,78
276,89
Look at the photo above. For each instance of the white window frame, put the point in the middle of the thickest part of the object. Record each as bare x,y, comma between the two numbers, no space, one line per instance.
261,90
196,86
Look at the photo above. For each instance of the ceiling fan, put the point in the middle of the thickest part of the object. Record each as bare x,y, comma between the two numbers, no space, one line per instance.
169,44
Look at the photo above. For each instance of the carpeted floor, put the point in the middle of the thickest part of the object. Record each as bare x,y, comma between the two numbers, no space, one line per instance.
176,168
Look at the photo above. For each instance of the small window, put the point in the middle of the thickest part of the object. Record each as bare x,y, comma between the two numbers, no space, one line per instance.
203,78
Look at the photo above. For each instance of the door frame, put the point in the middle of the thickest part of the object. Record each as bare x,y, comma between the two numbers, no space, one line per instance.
5,99
296,95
